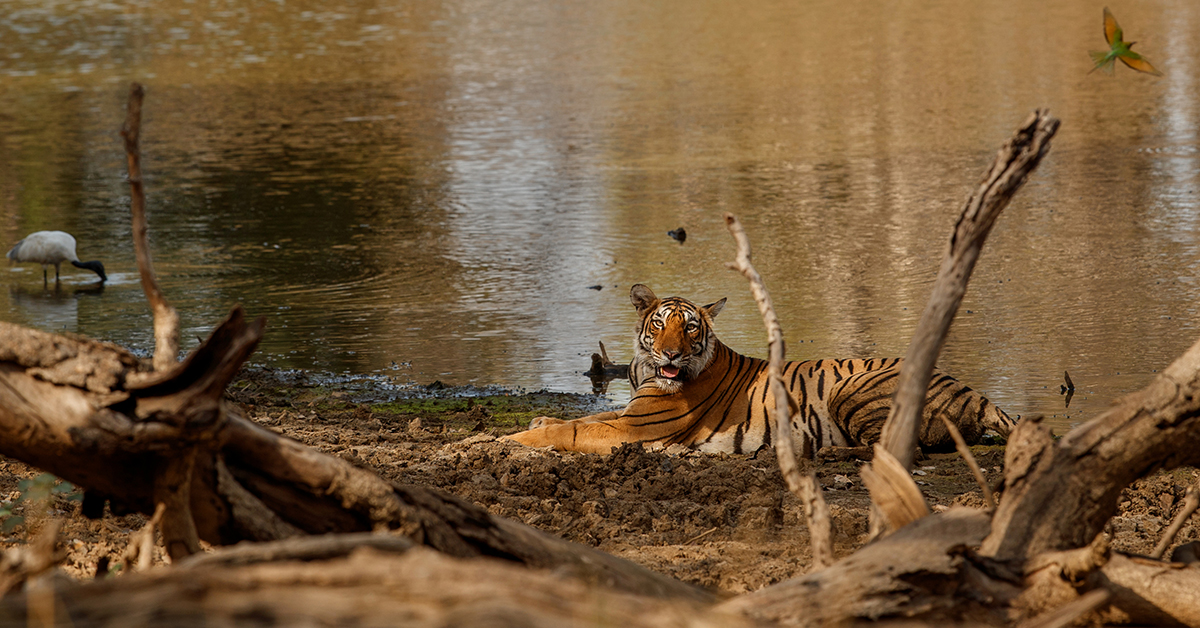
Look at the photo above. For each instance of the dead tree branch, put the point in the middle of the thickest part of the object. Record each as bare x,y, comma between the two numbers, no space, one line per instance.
381,583
166,319
964,450
1015,161
119,442
1079,478
1191,501
806,488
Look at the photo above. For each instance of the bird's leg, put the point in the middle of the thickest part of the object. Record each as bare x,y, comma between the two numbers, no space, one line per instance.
56,273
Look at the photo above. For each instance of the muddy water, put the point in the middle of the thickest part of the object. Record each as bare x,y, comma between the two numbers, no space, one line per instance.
430,190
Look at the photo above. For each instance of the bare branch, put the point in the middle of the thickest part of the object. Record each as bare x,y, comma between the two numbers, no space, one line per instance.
965,451
166,320
1067,615
806,488
1191,500
1015,161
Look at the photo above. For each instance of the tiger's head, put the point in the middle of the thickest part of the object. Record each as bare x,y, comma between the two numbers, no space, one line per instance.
674,341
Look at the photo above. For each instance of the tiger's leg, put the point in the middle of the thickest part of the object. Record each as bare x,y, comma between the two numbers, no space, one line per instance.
543,421
597,436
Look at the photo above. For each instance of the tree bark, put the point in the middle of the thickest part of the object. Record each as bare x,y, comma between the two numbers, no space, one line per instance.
1059,495
1015,161
806,488
86,412
371,581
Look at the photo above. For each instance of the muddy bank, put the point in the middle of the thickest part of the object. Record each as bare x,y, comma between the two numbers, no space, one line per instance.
720,521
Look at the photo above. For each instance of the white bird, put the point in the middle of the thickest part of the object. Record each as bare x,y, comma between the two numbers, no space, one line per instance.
52,247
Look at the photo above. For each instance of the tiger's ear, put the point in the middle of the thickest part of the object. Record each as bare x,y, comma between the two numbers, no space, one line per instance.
642,297
712,309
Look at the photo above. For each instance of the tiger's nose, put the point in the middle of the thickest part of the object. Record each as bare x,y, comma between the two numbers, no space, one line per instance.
670,355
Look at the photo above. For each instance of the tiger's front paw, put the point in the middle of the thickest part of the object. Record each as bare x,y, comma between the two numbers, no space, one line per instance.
543,421
531,438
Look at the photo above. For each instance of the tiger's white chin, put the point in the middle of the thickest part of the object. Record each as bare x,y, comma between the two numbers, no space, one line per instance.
668,385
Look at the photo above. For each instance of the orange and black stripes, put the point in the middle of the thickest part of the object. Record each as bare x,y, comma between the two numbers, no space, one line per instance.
691,389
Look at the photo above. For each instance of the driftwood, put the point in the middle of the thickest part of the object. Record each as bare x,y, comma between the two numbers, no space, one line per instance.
375,581
166,441
604,370
1079,477
804,487
1014,162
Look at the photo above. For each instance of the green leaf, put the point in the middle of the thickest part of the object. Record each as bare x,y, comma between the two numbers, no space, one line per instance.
10,523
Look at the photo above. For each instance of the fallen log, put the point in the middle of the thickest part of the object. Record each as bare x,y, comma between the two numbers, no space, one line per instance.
164,439
367,580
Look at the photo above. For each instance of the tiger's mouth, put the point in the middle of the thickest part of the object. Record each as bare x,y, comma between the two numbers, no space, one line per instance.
668,371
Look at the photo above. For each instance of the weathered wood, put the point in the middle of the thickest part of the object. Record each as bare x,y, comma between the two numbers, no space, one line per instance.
901,431
1015,161
377,584
806,488
1149,592
166,319
1059,494
130,444
915,572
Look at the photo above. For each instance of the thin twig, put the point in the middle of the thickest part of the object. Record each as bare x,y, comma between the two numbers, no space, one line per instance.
141,543
965,451
700,536
166,319
806,488
1191,501
1067,614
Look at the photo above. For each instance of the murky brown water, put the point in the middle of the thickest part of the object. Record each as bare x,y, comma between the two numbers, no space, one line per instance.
428,189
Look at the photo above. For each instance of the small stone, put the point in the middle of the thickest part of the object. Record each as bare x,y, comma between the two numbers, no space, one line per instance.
414,425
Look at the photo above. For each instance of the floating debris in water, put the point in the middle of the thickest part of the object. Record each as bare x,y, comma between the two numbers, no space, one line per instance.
678,234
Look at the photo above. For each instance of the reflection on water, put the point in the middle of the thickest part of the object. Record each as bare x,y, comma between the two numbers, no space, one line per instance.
429,189
53,307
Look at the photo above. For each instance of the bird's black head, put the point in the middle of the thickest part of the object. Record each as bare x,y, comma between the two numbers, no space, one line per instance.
95,267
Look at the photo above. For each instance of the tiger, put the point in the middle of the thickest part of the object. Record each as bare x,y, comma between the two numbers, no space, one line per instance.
693,390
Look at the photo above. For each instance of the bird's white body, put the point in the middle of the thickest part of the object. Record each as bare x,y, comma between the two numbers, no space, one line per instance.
51,248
